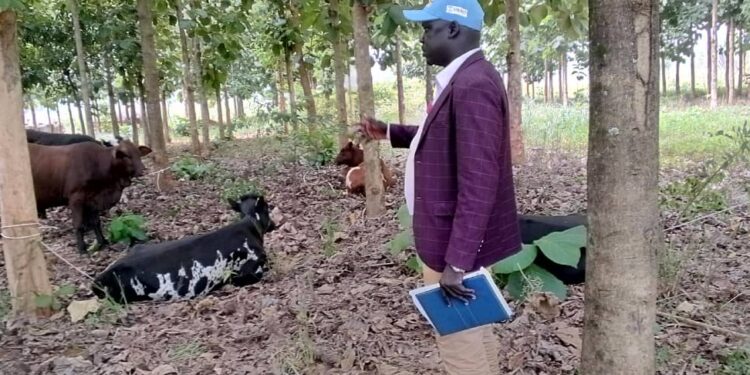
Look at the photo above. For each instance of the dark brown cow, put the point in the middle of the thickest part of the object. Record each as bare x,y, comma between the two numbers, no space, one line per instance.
86,177
354,174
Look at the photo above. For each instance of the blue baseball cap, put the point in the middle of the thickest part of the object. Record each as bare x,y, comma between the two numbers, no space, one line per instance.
465,12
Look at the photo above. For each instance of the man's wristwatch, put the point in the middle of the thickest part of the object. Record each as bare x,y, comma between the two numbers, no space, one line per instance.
456,269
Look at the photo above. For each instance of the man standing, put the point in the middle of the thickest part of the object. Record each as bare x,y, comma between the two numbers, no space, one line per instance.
459,180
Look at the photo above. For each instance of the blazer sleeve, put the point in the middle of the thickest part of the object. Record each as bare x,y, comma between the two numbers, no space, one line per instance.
479,123
401,135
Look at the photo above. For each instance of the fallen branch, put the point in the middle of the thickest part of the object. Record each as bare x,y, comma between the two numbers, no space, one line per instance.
697,324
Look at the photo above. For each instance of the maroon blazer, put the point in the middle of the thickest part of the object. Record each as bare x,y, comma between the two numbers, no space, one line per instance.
464,202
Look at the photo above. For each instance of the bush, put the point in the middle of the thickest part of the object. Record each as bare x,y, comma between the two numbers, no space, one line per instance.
127,228
181,126
234,189
190,168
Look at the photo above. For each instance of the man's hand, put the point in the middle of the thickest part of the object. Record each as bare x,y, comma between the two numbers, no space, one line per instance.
452,285
372,129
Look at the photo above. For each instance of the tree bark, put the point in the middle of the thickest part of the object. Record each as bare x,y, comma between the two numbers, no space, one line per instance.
199,87
187,82
85,85
230,127
281,89
72,120
290,86
33,112
163,179
133,117
564,89
515,70
677,77
623,164
663,76
692,66
59,118
709,59
741,76
111,95
119,112
144,117
304,78
714,54
25,266
400,82
546,82
730,62
80,115
219,112
375,201
340,58
165,117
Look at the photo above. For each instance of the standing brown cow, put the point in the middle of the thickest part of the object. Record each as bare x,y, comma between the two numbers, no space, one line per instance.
86,177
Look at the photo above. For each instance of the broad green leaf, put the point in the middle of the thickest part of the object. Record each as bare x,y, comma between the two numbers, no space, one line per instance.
564,247
515,286
535,279
516,262
402,241
15,5
403,217
414,263
43,301
538,13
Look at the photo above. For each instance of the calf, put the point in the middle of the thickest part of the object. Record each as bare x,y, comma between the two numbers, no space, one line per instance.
534,227
196,265
86,177
354,174
52,139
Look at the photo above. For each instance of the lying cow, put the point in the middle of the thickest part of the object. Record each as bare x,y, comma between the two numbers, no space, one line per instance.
86,177
534,227
354,174
53,139
196,265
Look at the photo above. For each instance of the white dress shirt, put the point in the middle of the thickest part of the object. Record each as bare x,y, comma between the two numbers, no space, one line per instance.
441,80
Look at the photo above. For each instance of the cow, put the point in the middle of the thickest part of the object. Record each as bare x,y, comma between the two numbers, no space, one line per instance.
534,227
53,139
196,265
353,158
86,177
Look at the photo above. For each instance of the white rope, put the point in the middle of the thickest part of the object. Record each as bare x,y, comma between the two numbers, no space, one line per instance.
701,218
66,261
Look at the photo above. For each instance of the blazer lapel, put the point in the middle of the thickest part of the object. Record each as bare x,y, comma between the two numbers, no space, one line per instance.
445,94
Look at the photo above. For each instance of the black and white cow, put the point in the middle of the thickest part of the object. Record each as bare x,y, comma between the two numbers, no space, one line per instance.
195,265
534,227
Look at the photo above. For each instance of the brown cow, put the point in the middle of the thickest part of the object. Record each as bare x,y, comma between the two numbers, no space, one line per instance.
86,177
354,175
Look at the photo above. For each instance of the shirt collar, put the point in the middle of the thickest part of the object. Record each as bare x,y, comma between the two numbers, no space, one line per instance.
446,74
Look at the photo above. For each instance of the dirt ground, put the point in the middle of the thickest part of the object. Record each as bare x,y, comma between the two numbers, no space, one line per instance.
336,301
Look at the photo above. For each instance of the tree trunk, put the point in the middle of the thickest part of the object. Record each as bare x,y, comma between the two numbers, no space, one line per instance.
111,95
560,81
85,85
145,126
165,118
240,107
533,91
400,82
119,112
97,112
80,115
714,52
202,98
663,76
730,62
290,85
692,68
428,89
623,164
304,78
741,76
25,266
72,121
133,117
709,58
281,88
677,77
546,82
230,127
187,82
375,201
33,112
59,118
219,112
340,58
164,180
515,69
564,87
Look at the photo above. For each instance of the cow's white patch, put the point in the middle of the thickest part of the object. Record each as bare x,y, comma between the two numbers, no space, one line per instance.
257,216
182,272
166,288
137,286
250,252
349,177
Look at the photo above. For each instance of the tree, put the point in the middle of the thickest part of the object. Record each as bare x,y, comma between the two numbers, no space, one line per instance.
623,210
24,261
151,73
514,81
713,52
375,204
187,77
85,84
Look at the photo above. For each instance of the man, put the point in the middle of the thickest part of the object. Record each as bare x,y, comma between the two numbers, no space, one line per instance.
459,179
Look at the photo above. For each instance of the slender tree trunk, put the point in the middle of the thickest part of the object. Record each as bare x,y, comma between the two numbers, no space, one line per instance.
187,82
145,126
709,57
25,266
400,82
306,86
165,117
560,81
230,127
375,201
72,121
515,69
533,90
163,179
677,77
59,118
546,82
714,52
119,112
340,60
564,88
240,106
351,95
692,70
290,85
281,89
730,62
219,112
33,112
741,76
85,85
111,95
663,76
200,89
97,112
80,116
133,117
623,164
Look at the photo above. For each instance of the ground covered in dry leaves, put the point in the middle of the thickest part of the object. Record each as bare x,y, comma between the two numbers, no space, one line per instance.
336,301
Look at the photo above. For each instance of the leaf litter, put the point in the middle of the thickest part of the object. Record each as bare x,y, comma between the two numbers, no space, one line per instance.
347,311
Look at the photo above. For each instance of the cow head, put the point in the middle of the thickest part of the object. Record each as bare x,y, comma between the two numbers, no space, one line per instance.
255,206
350,155
128,159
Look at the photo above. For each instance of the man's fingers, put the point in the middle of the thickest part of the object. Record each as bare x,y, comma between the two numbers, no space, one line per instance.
454,292
445,296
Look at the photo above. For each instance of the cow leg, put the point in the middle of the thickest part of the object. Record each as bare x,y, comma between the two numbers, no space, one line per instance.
41,213
97,223
77,211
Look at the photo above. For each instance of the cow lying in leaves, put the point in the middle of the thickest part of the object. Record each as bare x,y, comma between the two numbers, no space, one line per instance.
354,175
534,227
195,265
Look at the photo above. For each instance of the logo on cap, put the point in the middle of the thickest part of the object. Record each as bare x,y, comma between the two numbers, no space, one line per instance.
452,9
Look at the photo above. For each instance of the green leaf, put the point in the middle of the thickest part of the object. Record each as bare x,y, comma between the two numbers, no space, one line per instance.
538,13
43,301
414,264
516,262
523,19
66,290
534,279
515,286
564,247
14,5
404,219
401,242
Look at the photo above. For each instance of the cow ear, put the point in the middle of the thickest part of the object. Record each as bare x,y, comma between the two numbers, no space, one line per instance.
144,150
117,153
234,204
